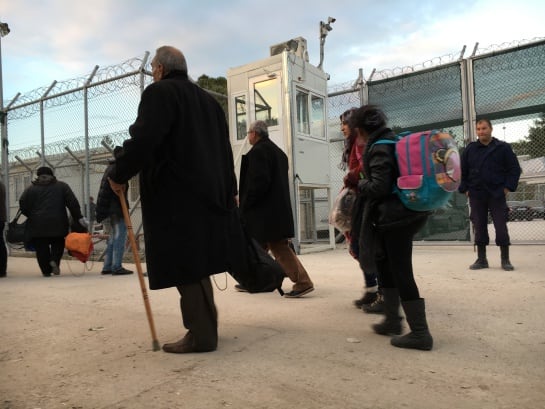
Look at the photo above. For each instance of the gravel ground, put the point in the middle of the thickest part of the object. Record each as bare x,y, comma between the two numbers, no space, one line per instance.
82,340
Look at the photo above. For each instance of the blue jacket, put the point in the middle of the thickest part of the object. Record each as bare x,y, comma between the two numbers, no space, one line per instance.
488,169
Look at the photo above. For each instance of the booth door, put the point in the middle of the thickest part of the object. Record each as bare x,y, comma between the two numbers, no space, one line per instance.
266,105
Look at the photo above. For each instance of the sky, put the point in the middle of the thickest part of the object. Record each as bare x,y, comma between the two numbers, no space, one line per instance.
64,39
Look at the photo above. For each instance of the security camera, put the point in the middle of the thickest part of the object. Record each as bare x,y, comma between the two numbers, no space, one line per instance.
331,19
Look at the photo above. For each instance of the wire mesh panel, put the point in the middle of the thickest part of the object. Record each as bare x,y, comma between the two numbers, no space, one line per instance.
508,85
72,127
423,100
510,91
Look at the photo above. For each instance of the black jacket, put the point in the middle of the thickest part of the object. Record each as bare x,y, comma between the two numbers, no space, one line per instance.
108,203
265,202
180,147
488,169
44,203
382,209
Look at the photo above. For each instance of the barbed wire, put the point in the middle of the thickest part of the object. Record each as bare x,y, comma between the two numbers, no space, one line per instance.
433,63
503,46
76,145
105,80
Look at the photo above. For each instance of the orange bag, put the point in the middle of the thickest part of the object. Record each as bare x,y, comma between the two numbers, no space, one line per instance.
79,245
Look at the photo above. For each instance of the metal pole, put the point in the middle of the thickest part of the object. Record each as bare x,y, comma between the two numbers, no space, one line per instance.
4,30
87,190
42,125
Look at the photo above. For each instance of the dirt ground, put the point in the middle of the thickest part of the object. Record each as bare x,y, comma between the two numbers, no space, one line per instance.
82,340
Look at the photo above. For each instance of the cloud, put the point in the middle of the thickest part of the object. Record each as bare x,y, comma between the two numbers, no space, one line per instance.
57,39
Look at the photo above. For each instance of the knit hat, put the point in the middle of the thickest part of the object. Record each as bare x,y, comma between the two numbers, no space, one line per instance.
44,170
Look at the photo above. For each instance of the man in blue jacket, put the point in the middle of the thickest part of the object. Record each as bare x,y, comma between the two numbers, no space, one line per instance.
490,170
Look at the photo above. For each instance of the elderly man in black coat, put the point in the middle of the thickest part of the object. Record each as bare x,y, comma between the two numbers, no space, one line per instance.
180,147
265,204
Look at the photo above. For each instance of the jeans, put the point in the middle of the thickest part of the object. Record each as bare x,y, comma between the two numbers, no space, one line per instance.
113,256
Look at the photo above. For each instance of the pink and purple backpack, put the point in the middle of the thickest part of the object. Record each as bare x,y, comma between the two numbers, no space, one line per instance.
429,168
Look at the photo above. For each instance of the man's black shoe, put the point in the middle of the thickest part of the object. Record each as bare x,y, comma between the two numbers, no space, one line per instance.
121,271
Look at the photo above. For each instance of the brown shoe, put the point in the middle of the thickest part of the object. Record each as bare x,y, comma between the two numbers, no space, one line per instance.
178,348
184,346
298,294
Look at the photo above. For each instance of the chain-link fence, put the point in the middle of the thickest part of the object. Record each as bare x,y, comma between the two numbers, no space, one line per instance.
73,126
505,85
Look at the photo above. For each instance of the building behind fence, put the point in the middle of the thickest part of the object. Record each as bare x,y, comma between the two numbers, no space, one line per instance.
73,126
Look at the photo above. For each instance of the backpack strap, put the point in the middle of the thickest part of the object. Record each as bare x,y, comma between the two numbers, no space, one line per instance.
384,142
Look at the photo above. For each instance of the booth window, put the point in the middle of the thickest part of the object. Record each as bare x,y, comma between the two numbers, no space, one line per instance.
240,106
266,101
302,112
310,114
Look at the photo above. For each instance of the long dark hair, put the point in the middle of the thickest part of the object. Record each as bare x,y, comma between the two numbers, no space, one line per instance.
369,118
348,142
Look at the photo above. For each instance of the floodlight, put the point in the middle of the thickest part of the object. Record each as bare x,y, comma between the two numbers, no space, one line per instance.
4,29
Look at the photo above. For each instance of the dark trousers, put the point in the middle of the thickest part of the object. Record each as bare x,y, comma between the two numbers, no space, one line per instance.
294,269
394,260
479,218
199,313
3,253
48,249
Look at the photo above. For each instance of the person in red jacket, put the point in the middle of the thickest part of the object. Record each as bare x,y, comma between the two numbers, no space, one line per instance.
354,146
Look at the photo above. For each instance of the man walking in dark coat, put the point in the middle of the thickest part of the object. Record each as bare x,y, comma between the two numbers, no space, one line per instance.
265,204
44,203
180,147
490,170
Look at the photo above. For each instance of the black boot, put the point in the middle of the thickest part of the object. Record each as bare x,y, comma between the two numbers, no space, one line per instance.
481,261
505,263
391,325
367,299
419,337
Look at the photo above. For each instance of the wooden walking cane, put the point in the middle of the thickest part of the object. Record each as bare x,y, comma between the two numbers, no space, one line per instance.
132,240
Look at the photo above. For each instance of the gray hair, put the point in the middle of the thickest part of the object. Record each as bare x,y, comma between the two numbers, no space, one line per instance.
171,59
260,128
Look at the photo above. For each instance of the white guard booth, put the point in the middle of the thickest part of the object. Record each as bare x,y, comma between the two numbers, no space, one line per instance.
290,95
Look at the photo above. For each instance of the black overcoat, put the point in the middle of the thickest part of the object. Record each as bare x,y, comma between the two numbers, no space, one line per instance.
180,145
265,202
